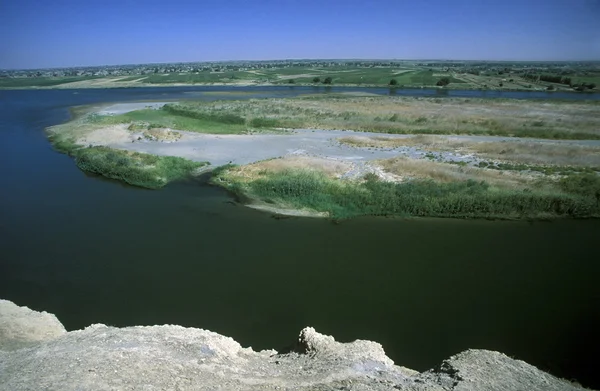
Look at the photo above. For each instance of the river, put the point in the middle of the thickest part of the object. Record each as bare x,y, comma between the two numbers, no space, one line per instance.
96,251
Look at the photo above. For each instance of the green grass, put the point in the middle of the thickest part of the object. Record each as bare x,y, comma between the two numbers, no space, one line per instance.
201,118
200,77
167,118
466,199
134,168
587,79
544,169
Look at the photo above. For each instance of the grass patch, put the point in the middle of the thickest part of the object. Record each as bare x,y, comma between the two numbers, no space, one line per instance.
342,199
174,118
134,168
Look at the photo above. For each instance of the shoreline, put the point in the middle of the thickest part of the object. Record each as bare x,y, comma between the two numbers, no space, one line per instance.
117,85
336,155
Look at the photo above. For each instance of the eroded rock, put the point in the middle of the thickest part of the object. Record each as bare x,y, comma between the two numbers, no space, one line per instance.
45,357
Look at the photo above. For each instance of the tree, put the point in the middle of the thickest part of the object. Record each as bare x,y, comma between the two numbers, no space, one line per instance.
444,81
393,82
327,80
291,81
316,80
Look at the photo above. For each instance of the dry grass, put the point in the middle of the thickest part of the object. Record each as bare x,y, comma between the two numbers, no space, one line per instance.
526,152
422,115
446,172
250,172
160,134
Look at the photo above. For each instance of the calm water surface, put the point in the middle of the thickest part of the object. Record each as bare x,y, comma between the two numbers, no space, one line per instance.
95,251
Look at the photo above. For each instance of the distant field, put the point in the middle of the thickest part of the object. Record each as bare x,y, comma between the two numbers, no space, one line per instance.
367,76
406,75
306,75
201,77
41,81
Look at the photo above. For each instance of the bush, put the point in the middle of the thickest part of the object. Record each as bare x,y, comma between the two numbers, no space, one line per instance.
327,80
316,80
138,169
262,122
393,82
587,185
444,81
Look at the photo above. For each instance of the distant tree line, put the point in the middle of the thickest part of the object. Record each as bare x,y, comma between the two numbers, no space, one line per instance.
549,78
327,80
560,80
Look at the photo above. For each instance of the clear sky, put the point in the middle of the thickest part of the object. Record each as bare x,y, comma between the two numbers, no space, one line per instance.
60,33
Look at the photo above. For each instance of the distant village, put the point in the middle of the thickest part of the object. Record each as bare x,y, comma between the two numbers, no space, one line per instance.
473,67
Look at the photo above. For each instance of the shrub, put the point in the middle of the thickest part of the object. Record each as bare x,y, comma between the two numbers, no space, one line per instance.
587,185
262,122
316,80
444,81
327,80
138,169
393,82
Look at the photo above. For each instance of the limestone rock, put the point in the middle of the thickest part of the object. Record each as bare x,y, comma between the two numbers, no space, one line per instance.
42,356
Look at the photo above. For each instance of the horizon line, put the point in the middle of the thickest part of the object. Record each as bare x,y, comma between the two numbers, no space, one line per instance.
302,59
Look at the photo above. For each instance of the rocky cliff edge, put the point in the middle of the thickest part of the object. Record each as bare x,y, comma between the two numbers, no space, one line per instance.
37,353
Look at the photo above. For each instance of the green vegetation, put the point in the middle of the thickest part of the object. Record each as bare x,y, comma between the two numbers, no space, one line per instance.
565,76
201,77
544,169
134,168
177,118
443,82
138,169
342,199
201,117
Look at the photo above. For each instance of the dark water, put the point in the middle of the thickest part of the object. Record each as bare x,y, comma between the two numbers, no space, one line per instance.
95,251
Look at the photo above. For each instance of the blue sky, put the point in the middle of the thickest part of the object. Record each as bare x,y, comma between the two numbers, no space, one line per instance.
79,33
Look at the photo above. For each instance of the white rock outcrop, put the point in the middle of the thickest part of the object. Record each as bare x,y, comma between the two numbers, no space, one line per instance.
36,353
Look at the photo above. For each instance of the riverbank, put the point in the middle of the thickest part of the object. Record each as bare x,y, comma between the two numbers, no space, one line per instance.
336,173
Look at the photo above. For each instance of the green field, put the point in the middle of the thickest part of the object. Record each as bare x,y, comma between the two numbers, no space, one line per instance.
196,78
360,76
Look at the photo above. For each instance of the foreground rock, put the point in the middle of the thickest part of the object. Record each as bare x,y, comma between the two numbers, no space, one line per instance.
44,357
